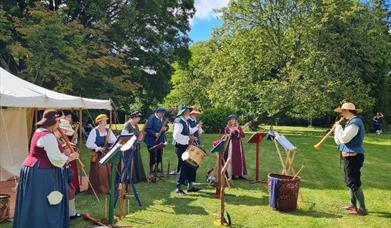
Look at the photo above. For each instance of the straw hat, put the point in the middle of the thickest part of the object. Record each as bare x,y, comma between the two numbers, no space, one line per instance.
65,125
195,111
100,118
348,106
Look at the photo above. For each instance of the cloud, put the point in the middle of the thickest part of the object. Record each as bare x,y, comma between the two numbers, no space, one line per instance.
205,9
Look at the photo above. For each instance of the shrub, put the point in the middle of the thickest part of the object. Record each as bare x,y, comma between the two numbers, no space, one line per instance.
215,119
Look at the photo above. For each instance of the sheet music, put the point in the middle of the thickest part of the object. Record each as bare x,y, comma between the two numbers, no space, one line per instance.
284,142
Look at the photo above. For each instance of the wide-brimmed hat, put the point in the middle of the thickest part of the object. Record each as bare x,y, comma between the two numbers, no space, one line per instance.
101,117
195,111
182,109
49,118
348,106
232,116
65,125
135,114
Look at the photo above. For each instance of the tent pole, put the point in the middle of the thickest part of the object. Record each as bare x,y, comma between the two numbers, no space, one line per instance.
80,138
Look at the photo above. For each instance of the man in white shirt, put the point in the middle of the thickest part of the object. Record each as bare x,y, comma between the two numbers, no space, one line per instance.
350,140
182,138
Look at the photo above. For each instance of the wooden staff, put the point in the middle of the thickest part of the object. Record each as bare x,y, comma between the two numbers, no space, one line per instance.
65,139
280,157
294,177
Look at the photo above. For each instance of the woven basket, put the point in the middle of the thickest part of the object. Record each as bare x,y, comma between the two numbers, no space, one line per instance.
288,191
4,207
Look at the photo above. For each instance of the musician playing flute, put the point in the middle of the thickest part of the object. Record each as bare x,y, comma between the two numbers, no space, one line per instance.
350,143
182,139
42,194
195,126
99,141
137,169
155,134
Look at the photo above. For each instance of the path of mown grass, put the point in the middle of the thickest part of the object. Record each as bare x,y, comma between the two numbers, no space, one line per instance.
322,189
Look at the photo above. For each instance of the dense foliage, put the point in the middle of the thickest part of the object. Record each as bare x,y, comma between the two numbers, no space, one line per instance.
121,50
215,119
292,58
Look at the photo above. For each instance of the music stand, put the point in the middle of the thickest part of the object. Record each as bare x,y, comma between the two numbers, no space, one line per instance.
219,149
290,150
257,138
113,158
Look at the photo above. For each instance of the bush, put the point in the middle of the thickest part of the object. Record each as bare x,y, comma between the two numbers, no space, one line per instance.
215,119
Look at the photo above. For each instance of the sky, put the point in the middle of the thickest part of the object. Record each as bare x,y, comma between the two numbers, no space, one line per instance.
205,18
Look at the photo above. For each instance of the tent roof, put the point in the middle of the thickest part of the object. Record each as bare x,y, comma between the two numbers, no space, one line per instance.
16,92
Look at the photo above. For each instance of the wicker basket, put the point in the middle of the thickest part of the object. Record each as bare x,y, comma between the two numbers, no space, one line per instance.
4,207
288,191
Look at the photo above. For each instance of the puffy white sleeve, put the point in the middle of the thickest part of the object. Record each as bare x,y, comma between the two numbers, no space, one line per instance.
50,145
91,141
343,136
112,138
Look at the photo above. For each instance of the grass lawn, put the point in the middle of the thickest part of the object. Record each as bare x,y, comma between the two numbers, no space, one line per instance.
322,188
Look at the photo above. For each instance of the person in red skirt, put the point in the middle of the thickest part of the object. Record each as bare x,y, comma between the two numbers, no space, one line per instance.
74,185
237,168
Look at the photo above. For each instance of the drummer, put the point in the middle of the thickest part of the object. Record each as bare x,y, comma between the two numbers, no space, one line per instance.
182,138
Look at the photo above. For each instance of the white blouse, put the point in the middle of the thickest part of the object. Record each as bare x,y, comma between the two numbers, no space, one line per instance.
50,144
91,139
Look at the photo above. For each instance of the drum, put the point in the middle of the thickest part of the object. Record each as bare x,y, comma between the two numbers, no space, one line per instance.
194,155
4,207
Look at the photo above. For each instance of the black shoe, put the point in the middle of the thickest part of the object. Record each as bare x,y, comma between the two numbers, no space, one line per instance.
193,189
242,177
180,192
77,215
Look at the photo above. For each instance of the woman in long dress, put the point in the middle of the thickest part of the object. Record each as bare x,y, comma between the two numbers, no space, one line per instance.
137,169
99,141
238,168
43,176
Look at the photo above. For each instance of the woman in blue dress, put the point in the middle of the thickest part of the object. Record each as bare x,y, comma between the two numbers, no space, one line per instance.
42,195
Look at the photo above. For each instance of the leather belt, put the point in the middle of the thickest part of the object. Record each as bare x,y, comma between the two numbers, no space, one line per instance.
348,154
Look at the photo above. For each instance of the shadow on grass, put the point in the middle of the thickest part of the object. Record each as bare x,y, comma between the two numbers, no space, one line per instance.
381,214
314,214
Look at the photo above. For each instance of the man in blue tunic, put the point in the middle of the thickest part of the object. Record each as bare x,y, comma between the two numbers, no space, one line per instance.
155,135
350,140
182,138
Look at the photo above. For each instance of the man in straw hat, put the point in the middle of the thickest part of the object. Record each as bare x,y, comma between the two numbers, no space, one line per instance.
195,126
182,138
350,140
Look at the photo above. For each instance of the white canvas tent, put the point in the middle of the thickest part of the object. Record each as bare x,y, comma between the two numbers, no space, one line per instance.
18,100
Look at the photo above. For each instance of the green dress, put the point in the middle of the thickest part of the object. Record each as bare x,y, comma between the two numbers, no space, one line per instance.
138,174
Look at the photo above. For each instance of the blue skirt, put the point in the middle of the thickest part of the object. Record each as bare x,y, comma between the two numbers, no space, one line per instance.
32,208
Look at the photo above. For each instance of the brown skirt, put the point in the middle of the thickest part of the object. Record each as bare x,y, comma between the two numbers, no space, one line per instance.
99,177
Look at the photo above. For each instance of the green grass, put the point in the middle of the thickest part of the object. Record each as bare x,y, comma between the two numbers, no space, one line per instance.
322,188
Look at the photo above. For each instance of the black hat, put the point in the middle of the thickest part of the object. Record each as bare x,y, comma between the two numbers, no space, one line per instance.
135,114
